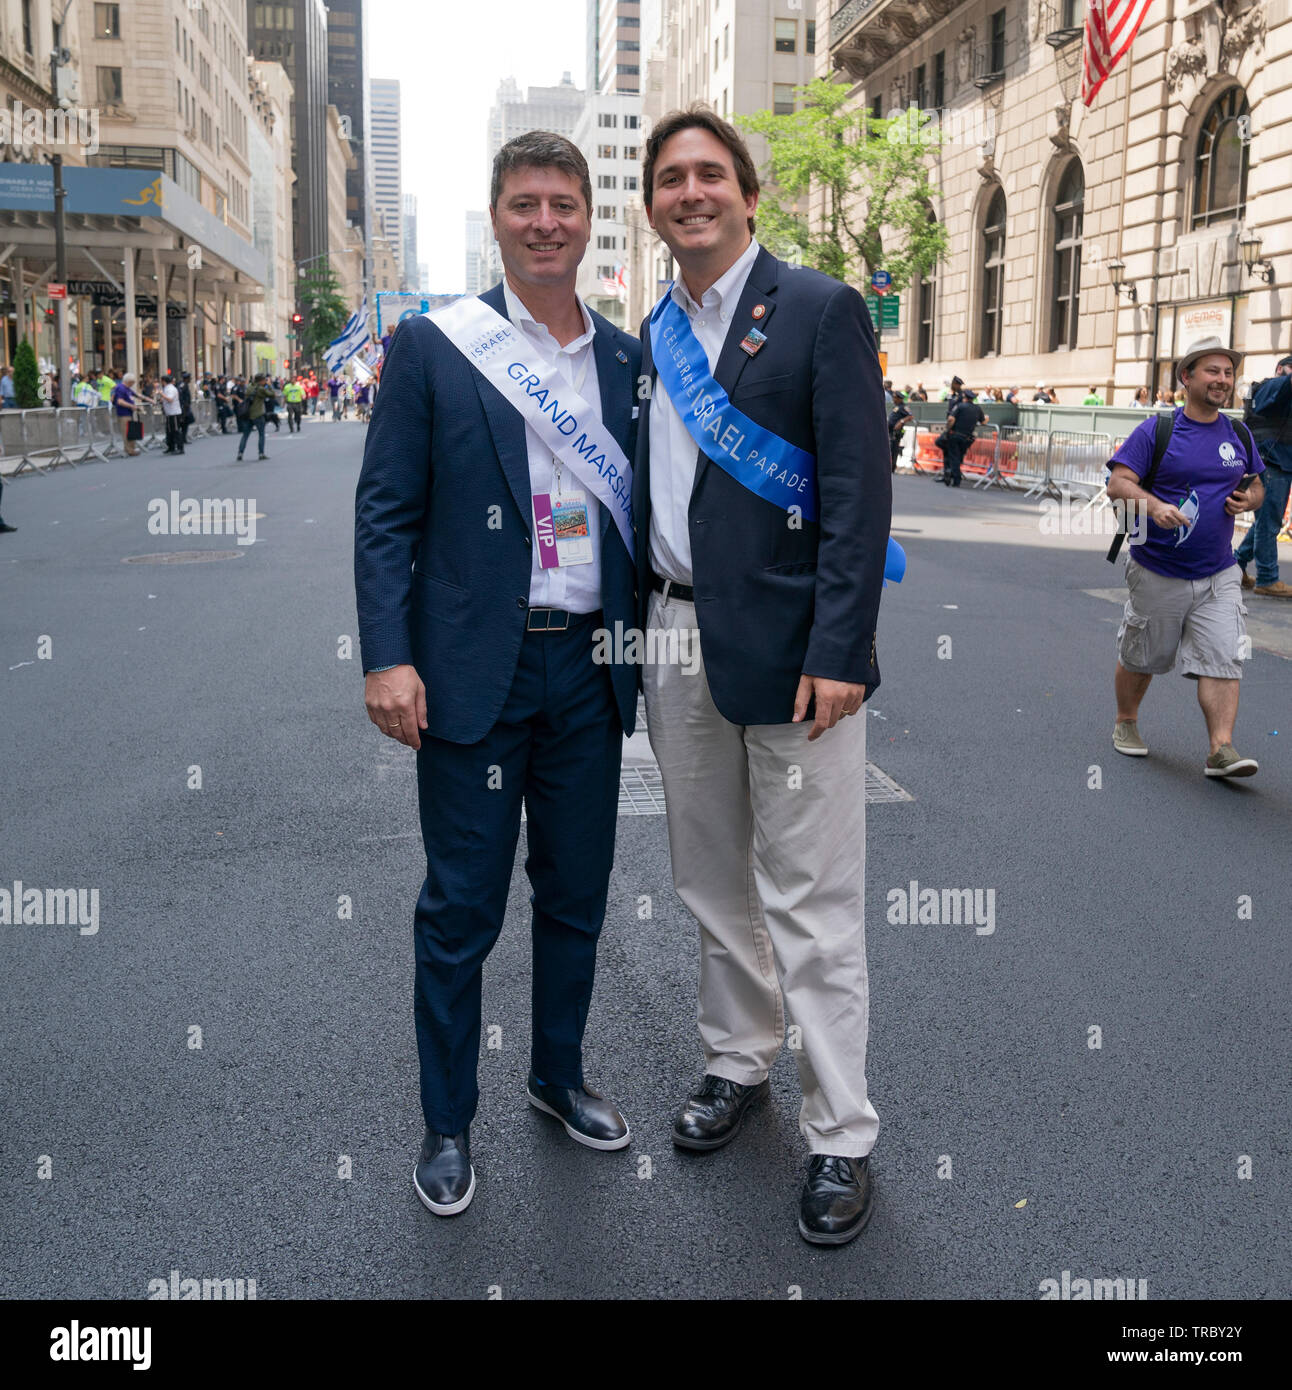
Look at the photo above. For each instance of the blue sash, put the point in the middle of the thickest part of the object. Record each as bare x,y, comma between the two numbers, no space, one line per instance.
769,466
757,459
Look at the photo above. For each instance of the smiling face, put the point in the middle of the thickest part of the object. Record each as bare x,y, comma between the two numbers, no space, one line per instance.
1210,381
542,224
697,207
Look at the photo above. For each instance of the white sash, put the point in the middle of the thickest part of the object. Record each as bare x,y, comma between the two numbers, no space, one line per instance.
562,419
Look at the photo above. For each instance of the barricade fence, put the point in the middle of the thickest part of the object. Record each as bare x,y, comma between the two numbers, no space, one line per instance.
1055,463
44,437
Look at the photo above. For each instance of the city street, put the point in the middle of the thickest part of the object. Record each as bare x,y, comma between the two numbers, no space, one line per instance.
221,1080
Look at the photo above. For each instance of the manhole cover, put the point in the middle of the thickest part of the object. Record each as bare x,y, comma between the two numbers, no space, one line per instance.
183,557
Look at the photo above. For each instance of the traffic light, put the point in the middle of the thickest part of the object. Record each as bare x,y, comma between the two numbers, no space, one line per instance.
298,318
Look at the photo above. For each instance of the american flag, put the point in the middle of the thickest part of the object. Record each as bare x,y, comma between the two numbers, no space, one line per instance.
1111,26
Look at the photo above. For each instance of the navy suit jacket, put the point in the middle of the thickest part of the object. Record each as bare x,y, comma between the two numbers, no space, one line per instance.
773,602
442,548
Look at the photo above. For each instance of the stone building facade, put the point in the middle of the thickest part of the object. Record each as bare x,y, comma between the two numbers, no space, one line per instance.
1088,245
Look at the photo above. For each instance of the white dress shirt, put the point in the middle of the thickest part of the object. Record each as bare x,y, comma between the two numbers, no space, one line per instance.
673,453
576,588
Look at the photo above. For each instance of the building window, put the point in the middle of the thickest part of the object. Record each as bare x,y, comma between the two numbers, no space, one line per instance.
1074,14
810,45
996,61
605,181
927,299
605,243
630,183
26,26
107,21
607,120
783,98
632,151
628,69
1221,164
605,212
630,122
787,35
606,272
715,55
921,87
1068,210
109,86
993,275
605,152
939,79
726,40
877,107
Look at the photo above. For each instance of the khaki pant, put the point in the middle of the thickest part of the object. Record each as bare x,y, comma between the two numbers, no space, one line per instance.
767,834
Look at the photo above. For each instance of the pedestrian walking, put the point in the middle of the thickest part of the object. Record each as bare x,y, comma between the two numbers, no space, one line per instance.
294,396
335,386
1268,414
186,416
1185,471
253,416
312,393
962,420
8,393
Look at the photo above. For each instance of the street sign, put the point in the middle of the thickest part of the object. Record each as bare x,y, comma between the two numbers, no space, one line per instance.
56,291
880,281
885,311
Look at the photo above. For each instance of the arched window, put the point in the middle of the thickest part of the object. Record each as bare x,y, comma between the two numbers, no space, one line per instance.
1065,307
993,275
926,305
1220,165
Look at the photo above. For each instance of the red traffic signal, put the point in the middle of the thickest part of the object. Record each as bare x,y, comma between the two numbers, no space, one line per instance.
298,318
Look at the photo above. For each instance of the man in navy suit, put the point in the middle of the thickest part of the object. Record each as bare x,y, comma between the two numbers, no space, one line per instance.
486,564
764,377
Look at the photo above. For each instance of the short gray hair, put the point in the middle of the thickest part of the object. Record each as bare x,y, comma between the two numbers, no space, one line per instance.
540,149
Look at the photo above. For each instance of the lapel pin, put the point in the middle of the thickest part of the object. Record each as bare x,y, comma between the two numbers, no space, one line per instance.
622,355
752,341
759,310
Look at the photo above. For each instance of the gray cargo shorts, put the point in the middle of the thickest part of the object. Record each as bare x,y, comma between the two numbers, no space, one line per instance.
1198,620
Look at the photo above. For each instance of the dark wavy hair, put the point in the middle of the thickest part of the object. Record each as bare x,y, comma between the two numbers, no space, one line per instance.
699,117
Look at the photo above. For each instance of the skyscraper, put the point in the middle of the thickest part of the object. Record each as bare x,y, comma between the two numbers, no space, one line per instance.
296,36
411,278
387,182
347,86
614,46
479,236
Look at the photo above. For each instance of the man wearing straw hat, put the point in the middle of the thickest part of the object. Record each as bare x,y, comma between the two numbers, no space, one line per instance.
1186,474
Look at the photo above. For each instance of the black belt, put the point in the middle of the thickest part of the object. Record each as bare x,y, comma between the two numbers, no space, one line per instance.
556,619
670,588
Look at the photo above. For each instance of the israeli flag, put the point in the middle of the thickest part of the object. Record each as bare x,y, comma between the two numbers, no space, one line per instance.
351,338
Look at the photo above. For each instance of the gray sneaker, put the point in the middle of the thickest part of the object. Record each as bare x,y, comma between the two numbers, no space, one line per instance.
1227,762
1126,739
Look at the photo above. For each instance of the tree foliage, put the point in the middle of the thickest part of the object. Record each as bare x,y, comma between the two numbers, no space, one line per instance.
319,294
26,376
874,175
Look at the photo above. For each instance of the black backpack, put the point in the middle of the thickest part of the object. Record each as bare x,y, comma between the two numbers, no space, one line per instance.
1161,438
1266,433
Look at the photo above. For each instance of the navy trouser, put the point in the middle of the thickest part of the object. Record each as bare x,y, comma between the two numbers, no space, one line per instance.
953,455
557,744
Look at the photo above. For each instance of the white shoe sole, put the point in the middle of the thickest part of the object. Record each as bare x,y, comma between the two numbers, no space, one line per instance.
450,1208
1245,767
586,1140
1130,752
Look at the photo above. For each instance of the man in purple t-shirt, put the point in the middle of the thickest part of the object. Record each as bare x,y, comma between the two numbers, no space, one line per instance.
1185,591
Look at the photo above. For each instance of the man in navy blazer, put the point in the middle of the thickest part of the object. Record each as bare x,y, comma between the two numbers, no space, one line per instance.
762,763
484,658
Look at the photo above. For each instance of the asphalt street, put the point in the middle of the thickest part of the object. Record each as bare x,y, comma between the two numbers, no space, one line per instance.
281,1149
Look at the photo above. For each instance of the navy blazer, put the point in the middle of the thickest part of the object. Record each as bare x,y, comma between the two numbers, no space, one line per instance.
775,602
442,545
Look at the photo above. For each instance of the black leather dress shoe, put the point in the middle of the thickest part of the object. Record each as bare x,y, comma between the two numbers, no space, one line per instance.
587,1116
710,1117
444,1177
4,528
838,1199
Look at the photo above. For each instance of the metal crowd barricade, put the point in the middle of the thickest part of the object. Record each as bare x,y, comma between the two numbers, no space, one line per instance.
13,441
105,432
203,418
71,440
41,436
154,427
1078,461
1024,459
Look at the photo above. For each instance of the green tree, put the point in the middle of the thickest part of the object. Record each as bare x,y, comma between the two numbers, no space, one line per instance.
26,376
319,294
874,175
